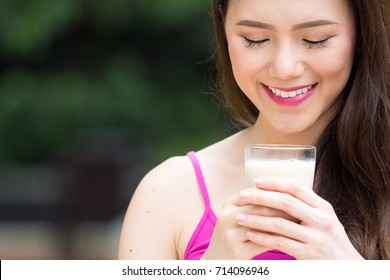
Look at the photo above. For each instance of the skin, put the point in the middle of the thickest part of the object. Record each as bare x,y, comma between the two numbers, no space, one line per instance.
286,59
277,213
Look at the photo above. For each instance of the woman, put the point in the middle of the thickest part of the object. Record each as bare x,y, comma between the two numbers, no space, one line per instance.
295,72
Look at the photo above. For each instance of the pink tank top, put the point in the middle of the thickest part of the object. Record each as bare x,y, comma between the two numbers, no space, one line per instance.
201,237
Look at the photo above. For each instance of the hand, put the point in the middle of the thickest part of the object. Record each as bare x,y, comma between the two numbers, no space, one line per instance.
318,234
229,240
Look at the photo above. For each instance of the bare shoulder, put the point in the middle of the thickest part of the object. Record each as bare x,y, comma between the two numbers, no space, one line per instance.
167,204
170,171
169,180
154,219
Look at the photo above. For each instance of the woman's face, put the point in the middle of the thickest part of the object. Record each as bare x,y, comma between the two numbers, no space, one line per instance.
292,58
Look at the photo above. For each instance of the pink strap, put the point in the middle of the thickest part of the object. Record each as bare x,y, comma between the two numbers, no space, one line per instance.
199,177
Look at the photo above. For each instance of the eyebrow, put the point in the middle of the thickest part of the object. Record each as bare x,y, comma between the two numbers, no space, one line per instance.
262,25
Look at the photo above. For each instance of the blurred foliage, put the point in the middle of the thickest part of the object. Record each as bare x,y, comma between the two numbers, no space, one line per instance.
71,65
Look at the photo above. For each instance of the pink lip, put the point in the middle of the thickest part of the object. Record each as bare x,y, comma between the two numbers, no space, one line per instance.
291,101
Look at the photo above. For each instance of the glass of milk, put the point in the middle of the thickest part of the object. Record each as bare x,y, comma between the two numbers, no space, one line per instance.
286,161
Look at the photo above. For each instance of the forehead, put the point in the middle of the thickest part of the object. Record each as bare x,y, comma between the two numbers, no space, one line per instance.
281,12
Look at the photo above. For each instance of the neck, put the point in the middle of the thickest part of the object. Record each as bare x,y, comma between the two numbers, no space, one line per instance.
262,132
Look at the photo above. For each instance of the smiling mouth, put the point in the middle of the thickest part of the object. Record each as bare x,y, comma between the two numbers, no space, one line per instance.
290,94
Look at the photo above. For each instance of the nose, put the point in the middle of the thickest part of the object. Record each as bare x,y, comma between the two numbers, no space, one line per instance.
286,63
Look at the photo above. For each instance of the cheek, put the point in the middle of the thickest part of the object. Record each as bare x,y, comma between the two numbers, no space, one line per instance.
245,62
337,65
243,59
241,65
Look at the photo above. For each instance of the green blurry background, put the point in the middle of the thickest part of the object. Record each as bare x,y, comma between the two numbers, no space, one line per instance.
94,93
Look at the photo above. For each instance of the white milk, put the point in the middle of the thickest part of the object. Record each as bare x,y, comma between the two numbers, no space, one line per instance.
302,170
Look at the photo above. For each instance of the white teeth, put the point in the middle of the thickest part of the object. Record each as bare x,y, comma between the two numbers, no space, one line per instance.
287,94
292,94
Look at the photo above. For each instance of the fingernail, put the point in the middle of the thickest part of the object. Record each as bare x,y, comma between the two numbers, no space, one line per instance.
245,194
241,217
259,182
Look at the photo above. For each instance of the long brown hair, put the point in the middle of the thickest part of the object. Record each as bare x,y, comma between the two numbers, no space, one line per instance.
353,164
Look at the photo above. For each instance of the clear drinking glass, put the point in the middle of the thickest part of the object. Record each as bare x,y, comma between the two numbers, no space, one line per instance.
285,161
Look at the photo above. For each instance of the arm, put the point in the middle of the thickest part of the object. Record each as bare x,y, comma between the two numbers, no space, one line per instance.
150,222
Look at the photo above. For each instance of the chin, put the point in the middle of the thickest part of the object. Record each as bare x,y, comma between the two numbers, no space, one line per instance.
289,130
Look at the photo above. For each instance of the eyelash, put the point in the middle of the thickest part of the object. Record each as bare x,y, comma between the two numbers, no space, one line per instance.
311,44
251,43
317,44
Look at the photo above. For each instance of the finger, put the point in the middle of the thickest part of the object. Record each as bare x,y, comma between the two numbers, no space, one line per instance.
275,225
282,202
246,199
243,198
292,187
276,242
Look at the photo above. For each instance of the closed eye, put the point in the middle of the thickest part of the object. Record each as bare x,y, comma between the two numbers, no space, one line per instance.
253,43
317,44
